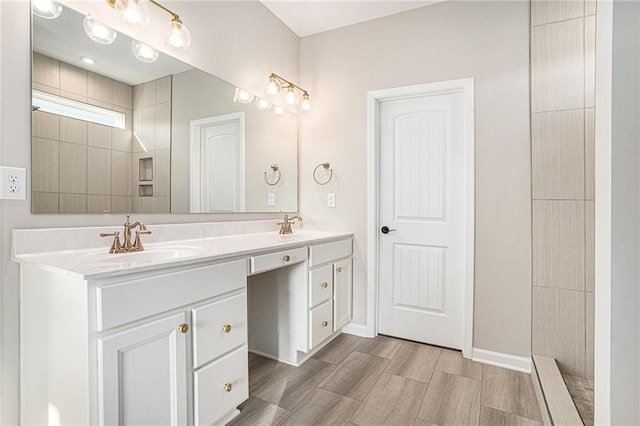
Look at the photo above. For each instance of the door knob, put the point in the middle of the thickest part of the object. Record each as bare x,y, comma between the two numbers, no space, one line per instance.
385,229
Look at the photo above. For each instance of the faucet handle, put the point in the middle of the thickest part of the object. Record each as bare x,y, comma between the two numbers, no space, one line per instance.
137,243
116,246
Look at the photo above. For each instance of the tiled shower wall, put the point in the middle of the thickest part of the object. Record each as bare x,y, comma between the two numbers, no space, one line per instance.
80,167
563,35
152,127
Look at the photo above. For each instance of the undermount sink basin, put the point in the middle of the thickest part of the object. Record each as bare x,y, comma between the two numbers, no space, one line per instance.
155,254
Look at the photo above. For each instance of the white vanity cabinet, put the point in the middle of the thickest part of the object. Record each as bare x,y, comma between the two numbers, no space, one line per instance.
166,347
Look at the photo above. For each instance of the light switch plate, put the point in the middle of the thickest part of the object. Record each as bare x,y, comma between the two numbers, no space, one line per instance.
331,199
13,183
271,199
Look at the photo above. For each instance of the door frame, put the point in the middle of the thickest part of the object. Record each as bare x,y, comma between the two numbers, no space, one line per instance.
466,87
195,174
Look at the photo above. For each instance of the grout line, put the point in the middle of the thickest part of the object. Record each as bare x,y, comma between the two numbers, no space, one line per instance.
583,16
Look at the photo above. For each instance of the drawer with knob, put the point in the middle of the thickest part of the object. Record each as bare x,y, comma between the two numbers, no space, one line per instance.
320,285
220,387
266,262
320,323
218,328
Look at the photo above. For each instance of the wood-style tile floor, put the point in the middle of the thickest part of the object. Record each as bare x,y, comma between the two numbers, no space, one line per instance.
386,381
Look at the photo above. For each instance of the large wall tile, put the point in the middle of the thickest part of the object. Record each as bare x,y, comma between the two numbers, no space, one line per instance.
557,155
98,135
590,315
137,96
46,70
98,204
163,90
73,131
149,95
559,244
590,245
590,7
45,157
120,173
73,79
100,88
121,204
122,95
557,66
99,172
163,126
545,11
149,127
590,62
73,203
559,327
44,202
589,154
46,126
73,169
161,177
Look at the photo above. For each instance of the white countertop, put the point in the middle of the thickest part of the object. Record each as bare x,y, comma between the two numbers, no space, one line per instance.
92,263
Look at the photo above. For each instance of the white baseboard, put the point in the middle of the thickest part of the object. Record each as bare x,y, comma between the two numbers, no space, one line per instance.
356,330
499,359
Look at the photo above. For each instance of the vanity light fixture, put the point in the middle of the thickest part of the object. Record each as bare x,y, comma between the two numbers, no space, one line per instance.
263,104
276,84
144,53
97,31
47,9
242,96
136,12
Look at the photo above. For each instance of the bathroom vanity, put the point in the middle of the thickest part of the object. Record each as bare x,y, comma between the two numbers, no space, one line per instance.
161,336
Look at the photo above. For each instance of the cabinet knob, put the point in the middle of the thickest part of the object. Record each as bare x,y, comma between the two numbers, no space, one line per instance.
228,387
286,258
226,328
184,328
325,323
325,285
338,269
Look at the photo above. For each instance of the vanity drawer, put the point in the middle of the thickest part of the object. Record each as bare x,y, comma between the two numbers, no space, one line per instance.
221,387
320,285
320,323
128,301
218,328
265,262
323,253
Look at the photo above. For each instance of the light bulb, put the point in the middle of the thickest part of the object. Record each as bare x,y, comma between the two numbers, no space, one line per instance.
291,98
47,9
87,60
178,37
262,104
242,96
97,31
144,53
278,110
306,105
134,12
273,86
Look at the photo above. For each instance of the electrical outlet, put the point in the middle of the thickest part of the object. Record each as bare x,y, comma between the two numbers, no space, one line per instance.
13,183
331,199
271,199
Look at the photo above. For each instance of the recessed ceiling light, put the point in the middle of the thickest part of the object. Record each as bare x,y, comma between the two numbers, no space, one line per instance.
87,60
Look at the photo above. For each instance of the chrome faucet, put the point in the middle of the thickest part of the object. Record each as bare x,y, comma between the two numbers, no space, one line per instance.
127,246
285,225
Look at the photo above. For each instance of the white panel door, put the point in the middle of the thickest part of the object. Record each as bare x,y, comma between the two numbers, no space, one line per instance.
422,201
221,168
143,375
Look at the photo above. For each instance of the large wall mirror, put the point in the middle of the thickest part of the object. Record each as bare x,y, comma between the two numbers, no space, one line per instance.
114,134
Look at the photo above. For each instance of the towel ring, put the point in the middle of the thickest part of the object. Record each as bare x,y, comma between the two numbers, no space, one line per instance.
275,169
325,166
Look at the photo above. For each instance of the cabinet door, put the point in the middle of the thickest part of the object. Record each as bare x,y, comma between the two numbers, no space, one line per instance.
143,374
342,293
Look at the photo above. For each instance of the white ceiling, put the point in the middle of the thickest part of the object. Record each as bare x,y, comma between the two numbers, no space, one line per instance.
306,17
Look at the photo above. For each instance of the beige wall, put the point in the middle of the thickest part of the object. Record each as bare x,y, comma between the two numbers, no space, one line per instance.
80,167
563,100
233,40
488,41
